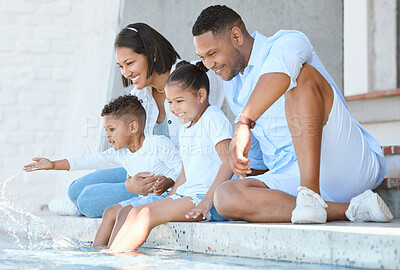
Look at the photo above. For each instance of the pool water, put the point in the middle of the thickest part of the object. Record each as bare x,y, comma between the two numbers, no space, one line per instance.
43,248
82,256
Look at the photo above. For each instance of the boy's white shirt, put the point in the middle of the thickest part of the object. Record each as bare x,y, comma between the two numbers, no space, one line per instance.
145,96
197,149
157,155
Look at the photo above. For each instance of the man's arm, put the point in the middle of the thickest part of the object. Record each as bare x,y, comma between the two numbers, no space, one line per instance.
269,88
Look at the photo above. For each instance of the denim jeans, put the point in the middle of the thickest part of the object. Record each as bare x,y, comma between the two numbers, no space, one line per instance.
94,192
213,215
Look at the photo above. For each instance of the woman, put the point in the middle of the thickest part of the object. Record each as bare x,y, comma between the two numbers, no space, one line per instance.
146,59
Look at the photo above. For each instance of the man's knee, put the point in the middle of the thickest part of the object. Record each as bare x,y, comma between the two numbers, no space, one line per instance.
226,196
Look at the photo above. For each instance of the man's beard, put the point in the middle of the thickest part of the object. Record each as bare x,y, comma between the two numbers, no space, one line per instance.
238,64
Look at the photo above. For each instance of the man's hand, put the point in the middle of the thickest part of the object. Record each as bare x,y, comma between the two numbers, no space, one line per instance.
162,184
40,164
141,183
239,149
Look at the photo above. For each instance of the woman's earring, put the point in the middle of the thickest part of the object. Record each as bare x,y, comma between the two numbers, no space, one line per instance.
155,58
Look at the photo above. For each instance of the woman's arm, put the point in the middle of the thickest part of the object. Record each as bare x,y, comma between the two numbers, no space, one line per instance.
224,173
46,164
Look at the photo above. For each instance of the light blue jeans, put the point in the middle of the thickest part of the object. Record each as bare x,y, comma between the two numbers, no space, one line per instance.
94,192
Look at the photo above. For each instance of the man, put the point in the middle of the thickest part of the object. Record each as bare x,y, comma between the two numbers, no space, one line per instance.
290,110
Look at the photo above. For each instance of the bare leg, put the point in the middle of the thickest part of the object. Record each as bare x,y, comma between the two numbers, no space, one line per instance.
251,200
137,226
106,226
307,108
122,214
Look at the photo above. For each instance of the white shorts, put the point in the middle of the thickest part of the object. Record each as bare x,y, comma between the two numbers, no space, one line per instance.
348,166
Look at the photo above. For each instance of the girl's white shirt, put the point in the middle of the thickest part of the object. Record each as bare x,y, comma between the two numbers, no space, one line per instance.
200,158
145,96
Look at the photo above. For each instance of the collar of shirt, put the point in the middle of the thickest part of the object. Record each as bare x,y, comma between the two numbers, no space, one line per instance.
256,49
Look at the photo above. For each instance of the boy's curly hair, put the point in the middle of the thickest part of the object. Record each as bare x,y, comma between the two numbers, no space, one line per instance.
216,19
127,105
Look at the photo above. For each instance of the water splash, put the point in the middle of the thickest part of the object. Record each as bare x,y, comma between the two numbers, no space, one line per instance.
25,224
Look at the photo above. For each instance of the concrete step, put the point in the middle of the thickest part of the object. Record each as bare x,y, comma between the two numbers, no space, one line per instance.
366,245
389,190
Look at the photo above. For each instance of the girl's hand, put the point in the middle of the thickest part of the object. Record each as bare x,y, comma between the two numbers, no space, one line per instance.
40,164
162,184
201,209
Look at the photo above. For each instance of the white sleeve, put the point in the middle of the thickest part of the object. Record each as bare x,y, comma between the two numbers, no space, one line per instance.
168,154
217,93
100,160
218,127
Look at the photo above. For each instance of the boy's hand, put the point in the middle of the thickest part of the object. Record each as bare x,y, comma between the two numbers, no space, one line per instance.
141,183
201,209
40,164
162,184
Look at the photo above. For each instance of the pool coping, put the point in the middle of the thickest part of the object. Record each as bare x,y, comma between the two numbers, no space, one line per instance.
366,245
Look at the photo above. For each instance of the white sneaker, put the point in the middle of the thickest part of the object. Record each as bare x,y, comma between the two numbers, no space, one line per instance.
62,206
368,206
310,207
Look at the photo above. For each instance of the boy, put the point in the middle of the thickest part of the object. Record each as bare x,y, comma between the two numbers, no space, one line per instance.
124,121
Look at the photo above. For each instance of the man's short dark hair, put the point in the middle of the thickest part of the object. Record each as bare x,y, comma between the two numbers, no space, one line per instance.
216,19
127,105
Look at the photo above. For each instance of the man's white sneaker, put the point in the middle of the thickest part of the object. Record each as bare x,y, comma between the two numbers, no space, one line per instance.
368,206
310,207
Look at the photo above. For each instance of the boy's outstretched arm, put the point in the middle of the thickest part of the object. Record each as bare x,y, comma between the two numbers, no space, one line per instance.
224,173
46,164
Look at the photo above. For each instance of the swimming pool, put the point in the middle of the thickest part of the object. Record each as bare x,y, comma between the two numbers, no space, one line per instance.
45,248
78,255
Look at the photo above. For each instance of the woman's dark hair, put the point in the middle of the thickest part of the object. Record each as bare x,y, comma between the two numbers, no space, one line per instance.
127,105
189,76
143,39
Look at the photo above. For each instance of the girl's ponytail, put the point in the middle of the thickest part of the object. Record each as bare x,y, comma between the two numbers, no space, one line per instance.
189,76
200,66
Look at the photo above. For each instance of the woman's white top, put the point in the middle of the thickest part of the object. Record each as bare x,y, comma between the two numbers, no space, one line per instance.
157,155
145,96
197,143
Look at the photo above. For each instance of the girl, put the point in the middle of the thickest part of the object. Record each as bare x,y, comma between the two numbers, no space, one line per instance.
204,142
146,59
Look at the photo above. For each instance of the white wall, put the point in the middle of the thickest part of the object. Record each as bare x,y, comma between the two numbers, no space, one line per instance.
385,44
356,47
370,44
387,133
55,58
